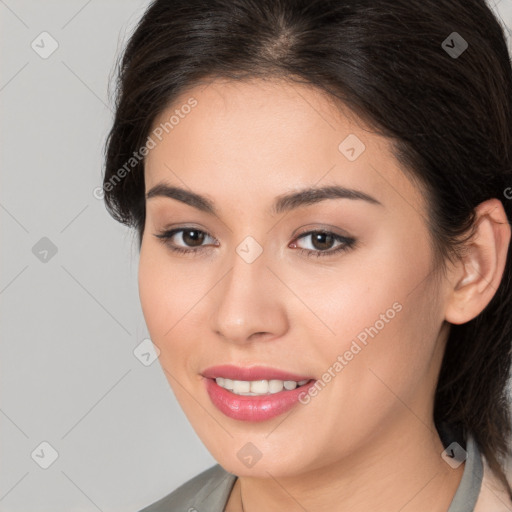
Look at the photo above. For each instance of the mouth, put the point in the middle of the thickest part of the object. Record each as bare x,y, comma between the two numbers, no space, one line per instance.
256,393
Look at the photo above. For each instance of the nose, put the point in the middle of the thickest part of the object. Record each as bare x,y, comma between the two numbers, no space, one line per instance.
248,303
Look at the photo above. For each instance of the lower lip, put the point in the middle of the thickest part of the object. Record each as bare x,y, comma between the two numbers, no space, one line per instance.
254,408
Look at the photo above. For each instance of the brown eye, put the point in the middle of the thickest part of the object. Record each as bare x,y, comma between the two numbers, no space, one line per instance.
186,240
324,243
193,237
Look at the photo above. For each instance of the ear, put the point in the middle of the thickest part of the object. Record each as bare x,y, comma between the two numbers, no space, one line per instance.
476,277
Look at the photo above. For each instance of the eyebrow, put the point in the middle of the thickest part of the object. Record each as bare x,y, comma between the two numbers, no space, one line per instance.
282,203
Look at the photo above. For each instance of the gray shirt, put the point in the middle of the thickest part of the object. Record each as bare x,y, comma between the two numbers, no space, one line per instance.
209,491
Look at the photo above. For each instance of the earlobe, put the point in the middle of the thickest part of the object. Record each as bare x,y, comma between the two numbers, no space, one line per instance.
478,275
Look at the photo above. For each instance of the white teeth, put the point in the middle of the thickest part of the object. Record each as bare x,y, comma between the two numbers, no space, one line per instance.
241,386
274,386
257,387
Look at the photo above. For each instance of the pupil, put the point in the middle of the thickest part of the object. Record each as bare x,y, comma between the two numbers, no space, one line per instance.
190,239
320,237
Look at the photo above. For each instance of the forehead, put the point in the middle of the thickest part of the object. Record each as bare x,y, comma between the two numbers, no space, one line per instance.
262,104
275,134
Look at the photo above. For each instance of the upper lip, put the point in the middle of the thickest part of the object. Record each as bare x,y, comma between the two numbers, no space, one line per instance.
251,373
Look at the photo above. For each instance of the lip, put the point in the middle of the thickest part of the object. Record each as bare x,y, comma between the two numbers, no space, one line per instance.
251,373
253,408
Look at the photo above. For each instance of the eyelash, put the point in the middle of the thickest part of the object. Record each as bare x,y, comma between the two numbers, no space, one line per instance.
347,243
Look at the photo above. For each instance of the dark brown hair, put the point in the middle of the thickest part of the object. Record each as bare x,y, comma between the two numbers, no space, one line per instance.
393,63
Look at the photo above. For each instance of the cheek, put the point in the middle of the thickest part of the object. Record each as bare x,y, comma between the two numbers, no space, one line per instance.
151,293
395,373
362,293
378,324
386,377
173,298
164,295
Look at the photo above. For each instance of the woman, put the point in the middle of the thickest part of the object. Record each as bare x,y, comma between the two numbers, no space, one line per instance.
321,192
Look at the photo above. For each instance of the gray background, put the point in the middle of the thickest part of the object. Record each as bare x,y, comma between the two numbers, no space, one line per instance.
71,319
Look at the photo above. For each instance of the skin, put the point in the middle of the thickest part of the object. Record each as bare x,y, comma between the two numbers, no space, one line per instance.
367,441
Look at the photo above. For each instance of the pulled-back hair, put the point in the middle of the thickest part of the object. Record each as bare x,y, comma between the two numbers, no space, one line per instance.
394,64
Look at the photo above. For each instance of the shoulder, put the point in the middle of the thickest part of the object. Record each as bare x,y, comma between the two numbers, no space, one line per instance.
211,488
493,496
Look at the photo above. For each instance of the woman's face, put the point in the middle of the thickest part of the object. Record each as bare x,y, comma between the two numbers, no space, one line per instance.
355,307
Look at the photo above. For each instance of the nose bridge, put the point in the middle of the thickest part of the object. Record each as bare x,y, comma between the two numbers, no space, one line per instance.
244,304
